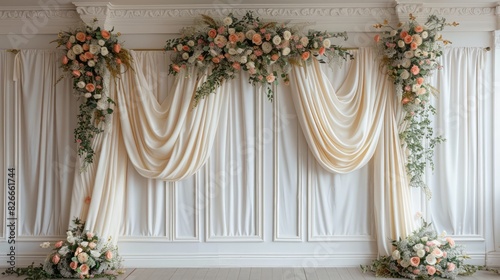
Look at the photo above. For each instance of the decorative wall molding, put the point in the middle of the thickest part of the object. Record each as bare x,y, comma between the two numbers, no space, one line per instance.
18,13
90,11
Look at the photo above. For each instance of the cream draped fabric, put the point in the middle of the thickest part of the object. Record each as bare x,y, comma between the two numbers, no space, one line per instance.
344,129
169,140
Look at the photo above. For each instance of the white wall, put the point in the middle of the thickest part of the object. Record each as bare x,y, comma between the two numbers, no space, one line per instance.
277,238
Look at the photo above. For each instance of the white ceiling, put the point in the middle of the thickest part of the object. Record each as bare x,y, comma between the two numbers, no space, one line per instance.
221,3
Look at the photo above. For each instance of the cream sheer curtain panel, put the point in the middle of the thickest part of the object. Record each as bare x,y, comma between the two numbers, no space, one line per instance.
46,151
343,129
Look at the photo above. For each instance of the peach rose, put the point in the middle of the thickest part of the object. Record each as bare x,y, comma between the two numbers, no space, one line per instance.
403,34
90,87
236,66
87,200
85,47
275,57
105,34
418,28
408,39
84,269
416,271
185,48
415,70
270,78
212,33
215,60
413,45
82,57
80,36
58,244
76,73
88,55
267,36
450,241
257,39
176,68
65,60
305,55
108,255
233,38
258,52
252,71
117,48
89,234
56,259
377,38
415,261
431,270
321,51
68,45
78,251
420,80
73,265
405,100
241,36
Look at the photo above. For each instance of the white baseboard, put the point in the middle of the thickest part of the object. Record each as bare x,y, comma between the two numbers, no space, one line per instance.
493,259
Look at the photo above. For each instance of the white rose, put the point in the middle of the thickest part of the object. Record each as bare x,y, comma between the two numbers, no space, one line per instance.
394,32
231,31
417,53
396,255
285,51
250,65
243,59
190,43
84,244
179,47
327,43
405,74
93,49
72,39
250,34
421,252
77,49
315,45
87,95
430,259
91,63
424,239
401,44
64,250
436,242
71,55
232,51
95,254
228,21
101,43
287,35
409,54
185,56
70,239
97,96
83,257
69,233
415,87
267,47
240,50
276,40
425,35
81,84
418,246
45,245
405,263
191,59
304,41
104,51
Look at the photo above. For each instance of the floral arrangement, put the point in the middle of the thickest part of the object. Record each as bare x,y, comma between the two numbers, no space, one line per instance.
423,255
91,56
410,53
82,255
264,49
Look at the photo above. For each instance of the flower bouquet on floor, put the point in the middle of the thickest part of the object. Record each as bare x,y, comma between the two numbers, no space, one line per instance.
423,255
82,255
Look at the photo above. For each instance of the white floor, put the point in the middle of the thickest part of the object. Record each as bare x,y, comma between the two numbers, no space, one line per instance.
258,273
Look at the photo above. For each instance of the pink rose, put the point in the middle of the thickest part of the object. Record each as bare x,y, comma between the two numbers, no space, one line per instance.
65,60
418,28
76,73
117,48
252,71
377,38
270,78
413,45
450,241
257,39
267,36
82,58
90,235
305,55
58,244
88,73
431,270
84,269
450,266
405,100
420,80
407,88
415,261
403,34
408,39
258,52
236,66
73,265
212,33
78,251
444,252
241,36
415,70
201,57
221,30
68,45
80,36
262,30
105,34
176,68
108,255
55,259
416,271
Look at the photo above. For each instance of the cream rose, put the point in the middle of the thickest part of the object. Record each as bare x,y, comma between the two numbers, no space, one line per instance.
77,49
87,95
409,54
425,35
243,59
93,49
101,42
71,55
304,41
393,32
91,63
185,56
401,44
430,259
327,43
287,35
421,252
104,51
396,255
405,74
190,43
81,84
72,39
228,21
83,257
285,51
45,245
250,34
267,47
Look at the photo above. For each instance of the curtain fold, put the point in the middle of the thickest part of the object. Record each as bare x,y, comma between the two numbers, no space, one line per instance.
169,140
345,129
